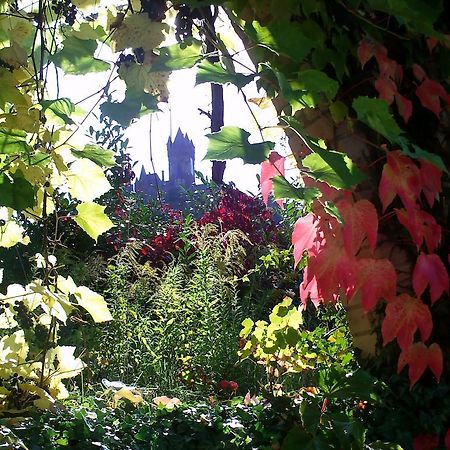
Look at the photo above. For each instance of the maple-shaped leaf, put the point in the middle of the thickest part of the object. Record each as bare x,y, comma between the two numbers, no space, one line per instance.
430,271
404,106
386,88
405,315
305,235
365,51
430,180
360,221
430,94
273,167
420,225
418,356
400,177
376,279
425,442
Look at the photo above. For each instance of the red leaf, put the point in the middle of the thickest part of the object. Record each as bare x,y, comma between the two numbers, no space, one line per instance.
376,279
425,442
305,235
309,290
431,43
360,220
403,317
388,67
436,360
386,88
273,167
430,178
404,106
418,72
365,51
420,226
430,270
400,177
430,93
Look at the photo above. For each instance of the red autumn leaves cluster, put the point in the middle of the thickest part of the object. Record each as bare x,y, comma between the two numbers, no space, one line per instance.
429,92
342,256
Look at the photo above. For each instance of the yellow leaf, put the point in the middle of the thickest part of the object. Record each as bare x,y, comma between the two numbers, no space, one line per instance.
45,400
93,303
13,349
128,395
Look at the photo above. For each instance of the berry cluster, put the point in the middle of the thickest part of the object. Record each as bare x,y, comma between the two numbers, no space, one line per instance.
184,21
156,9
66,9
22,315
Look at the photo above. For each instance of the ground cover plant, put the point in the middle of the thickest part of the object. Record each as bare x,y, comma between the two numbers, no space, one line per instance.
360,90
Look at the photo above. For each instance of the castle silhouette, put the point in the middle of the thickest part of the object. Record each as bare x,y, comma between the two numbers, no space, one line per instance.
181,156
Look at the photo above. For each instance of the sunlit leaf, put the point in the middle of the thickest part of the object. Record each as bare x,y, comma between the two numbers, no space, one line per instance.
15,191
62,108
282,189
178,56
93,303
208,72
13,141
101,156
92,219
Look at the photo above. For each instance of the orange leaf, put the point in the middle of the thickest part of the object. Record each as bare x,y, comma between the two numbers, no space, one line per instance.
430,271
375,279
360,221
400,177
403,317
273,167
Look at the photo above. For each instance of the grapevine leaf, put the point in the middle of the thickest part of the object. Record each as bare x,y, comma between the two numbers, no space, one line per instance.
282,189
87,180
92,219
271,168
317,82
400,177
335,168
375,114
360,221
16,192
11,233
13,141
430,271
76,57
403,317
61,108
101,156
208,72
178,56
93,303
232,142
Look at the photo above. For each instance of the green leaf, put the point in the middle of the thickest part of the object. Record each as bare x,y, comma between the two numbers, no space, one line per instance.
92,219
317,82
101,156
378,445
333,211
310,414
61,108
77,57
283,38
16,192
335,168
178,56
208,72
93,303
87,180
232,142
338,111
419,153
282,189
375,114
13,141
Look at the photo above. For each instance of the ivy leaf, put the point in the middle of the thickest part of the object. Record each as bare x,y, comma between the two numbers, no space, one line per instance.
13,141
92,219
93,303
178,56
419,357
375,114
271,168
232,142
16,192
400,177
403,317
430,271
282,189
87,180
360,221
335,168
208,72
77,57
62,108
101,156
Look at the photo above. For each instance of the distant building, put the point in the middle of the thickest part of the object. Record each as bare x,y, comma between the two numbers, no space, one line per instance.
181,156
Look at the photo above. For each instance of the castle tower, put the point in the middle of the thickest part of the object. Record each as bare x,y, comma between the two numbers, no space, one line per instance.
181,156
